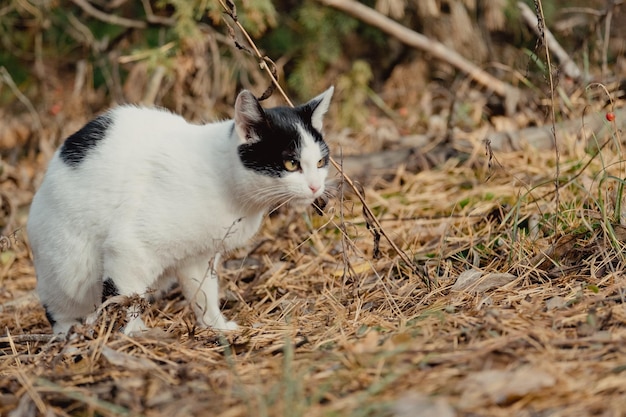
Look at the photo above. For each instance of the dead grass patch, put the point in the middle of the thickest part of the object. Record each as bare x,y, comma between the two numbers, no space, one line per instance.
329,330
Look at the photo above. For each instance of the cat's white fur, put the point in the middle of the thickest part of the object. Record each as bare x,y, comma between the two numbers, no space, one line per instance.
160,198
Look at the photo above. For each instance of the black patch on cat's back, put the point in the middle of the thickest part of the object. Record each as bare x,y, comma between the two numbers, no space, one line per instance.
280,140
109,289
49,316
77,146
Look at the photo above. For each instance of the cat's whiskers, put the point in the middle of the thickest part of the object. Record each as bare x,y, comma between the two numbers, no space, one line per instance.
330,190
266,197
280,205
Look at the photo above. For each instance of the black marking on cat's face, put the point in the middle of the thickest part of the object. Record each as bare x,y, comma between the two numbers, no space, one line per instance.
49,315
77,146
280,140
109,289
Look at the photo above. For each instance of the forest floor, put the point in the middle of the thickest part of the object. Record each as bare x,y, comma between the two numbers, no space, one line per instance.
497,315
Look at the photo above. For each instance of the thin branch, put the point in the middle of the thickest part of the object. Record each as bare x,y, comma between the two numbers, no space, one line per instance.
152,18
154,86
21,97
109,18
436,49
371,215
26,383
569,67
262,59
27,338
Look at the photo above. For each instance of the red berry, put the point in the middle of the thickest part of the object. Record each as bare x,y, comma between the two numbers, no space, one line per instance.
610,116
56,108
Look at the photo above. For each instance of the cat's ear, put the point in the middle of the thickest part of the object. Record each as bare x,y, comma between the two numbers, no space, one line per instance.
248,114
318,107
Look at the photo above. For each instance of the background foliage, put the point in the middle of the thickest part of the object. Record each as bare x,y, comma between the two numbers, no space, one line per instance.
44,42
509,302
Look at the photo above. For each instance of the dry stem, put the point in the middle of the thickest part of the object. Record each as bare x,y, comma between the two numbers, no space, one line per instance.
557,154
231,11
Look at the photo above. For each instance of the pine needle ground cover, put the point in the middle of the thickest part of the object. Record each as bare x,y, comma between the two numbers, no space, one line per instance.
507,298
512,306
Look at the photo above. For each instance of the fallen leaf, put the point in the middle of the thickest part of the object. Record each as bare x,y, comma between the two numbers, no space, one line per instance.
7,257
367,344
466,279
502,387
555,303
416,404
475,281
129,362
357,269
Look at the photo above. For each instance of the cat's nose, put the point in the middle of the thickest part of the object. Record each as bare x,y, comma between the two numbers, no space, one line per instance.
314,188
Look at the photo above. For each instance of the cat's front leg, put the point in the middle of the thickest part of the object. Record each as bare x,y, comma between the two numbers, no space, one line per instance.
135,325
199,282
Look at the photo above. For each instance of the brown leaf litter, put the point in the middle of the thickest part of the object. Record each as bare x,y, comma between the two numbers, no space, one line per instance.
498,316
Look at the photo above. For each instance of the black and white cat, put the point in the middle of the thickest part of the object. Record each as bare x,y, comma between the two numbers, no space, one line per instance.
139,197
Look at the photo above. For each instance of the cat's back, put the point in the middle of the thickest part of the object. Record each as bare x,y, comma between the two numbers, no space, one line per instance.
123,132
134,123
129,156
121,141
100,164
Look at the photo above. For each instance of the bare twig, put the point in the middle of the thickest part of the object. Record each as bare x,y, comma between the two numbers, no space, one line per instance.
232,12
152,18
21,97
540,137
109,18
434,48
154,86
82,396
373,225
27,338
138,56
371,215
80,78
82,29
26,383
569,67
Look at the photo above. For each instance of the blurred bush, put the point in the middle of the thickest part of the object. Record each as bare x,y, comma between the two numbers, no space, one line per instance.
178,53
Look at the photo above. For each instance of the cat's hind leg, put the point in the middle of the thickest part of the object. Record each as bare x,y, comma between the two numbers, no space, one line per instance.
68,284
199,283
129,272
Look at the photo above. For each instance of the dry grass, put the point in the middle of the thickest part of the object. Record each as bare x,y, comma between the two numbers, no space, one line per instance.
330,331
500,314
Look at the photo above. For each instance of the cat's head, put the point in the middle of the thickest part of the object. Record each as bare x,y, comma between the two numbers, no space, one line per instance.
285,147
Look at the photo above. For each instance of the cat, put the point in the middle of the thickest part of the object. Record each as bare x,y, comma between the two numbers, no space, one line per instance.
139,197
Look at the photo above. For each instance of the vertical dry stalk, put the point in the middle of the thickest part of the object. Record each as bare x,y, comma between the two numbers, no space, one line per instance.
231,11
557,153
375,225
607,37
568,66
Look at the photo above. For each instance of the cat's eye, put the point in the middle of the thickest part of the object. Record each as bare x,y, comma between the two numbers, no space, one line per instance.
321,163
291,165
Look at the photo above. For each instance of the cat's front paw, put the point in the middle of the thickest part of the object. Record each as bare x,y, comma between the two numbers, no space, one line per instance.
227,326
220,324
135,327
